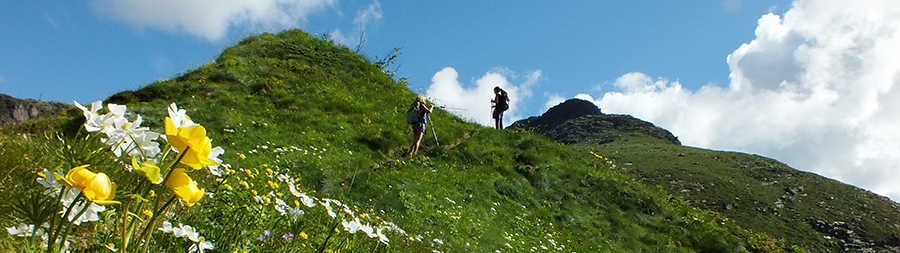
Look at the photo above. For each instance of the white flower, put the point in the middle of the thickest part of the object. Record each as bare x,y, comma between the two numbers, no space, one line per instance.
202,245
49,182
186,231
280,206
327,206
351,226
293,190
93,120
129,137
294,212
111,247
166,227
91,214
368,230
214,155
145,142
348,211
179,117
381,236
23,230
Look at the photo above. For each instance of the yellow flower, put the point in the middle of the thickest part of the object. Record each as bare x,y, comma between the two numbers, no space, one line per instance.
303,235
148,213
194,137
184,187
242,156
96,187
147,169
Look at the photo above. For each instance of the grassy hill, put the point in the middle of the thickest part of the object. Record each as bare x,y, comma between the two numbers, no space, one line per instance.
310,126
758,193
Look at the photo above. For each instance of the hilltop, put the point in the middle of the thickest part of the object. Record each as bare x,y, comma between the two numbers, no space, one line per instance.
758,193
300,117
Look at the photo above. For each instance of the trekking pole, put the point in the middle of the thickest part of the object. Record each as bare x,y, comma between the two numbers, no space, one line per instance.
432,130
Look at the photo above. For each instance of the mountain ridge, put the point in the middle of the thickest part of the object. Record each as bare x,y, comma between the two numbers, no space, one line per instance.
696,179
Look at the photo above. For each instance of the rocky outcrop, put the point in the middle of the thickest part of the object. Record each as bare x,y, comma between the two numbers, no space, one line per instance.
14,110
580,121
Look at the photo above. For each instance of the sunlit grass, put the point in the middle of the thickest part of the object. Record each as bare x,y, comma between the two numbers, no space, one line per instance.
314,138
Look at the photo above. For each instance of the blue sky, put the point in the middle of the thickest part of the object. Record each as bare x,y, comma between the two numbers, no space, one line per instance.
809,82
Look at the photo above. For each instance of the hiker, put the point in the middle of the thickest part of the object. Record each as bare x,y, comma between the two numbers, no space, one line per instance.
416,115
500,103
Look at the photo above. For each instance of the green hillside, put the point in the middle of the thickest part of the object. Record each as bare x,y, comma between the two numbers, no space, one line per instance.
758,193
310,126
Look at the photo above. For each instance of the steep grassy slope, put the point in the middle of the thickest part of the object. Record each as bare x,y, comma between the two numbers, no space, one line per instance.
804,209
298,107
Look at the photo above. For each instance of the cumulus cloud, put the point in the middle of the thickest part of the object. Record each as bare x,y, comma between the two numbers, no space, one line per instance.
819,90
554,99
474,103
210,19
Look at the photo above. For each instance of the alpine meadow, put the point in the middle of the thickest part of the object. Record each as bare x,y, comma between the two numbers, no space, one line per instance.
290,142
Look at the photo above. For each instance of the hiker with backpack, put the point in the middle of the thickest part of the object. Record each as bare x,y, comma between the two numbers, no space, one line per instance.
416,115
500,103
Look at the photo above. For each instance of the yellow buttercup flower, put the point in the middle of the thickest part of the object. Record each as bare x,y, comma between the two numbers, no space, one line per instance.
194,137
96,187
184,187
303,235
147,169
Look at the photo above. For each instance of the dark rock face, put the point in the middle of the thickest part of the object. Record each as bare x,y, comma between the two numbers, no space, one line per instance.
580,121
558,115
14,110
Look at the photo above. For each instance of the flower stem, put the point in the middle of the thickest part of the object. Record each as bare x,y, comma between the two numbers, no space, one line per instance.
52,239
145,234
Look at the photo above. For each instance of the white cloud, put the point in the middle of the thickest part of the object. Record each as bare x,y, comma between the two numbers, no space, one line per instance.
210,19
819,90
554,99
371,16
474,103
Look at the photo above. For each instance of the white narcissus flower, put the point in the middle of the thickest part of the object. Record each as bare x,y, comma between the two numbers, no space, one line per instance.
186,231
91,214
179,117
294,212
146,143
93,120
23,230
166,227
368,230
307,200
352,226
201,246
280,206
49,181
214,155
381,236
327,206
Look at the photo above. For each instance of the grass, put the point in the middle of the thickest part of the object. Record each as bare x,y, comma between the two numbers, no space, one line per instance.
292,109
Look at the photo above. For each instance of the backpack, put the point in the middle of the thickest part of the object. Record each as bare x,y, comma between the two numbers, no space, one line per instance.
503,103
412,114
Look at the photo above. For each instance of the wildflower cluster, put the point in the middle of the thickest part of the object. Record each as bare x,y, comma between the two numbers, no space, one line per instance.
605,160
282,194
83,192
